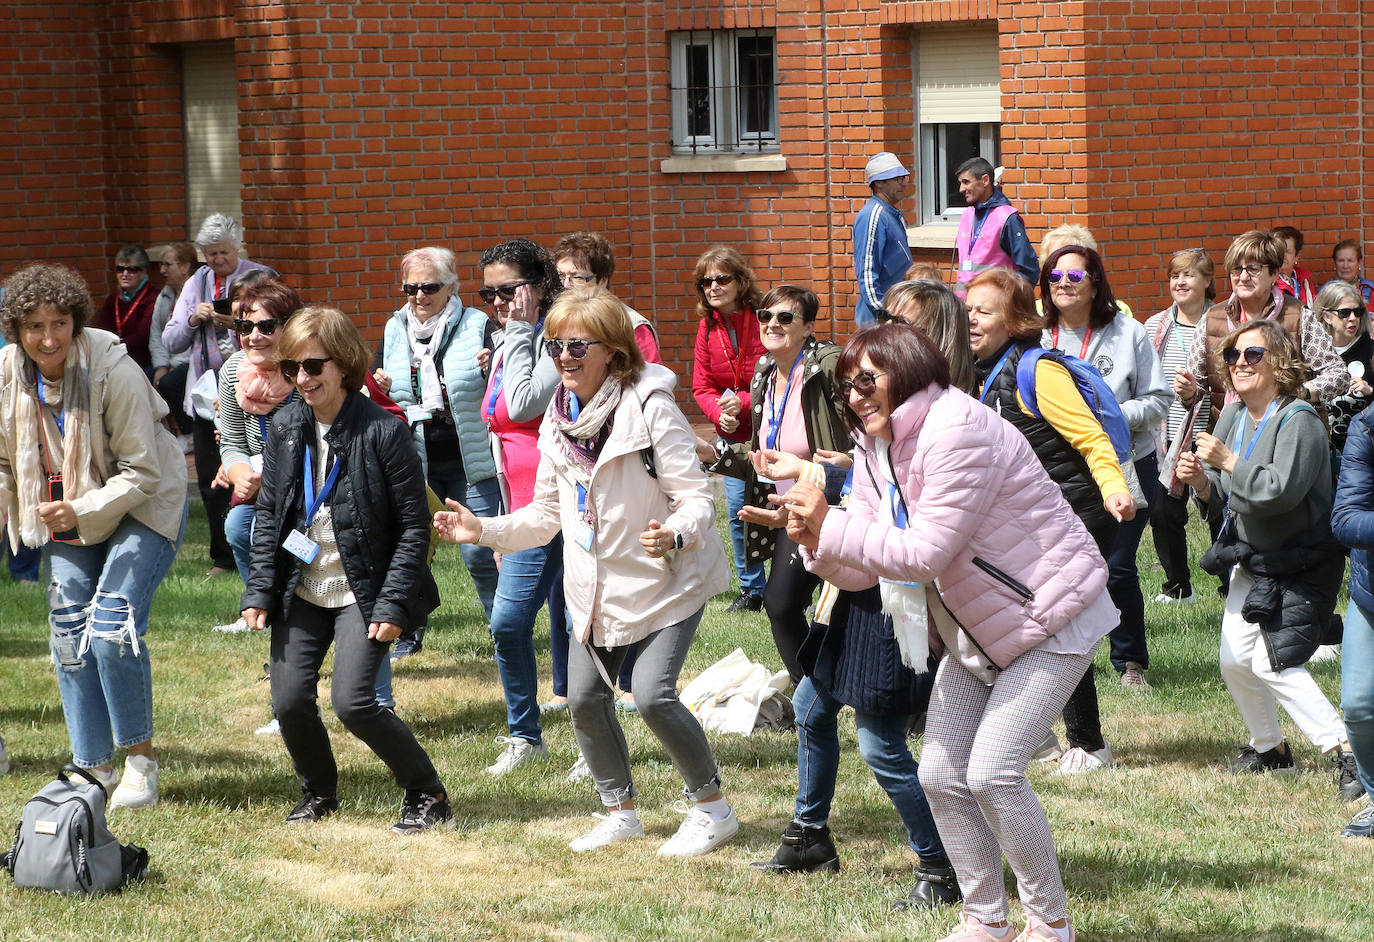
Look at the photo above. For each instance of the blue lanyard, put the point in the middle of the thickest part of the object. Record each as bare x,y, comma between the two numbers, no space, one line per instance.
775,414
978,224
262,419
574,410
894,497
996,371
59,417
496,378
1254,437
313,500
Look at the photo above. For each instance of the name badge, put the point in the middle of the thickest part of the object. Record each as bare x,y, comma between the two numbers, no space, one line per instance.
301,546
416,414
255,462
967,266
763,480
585,537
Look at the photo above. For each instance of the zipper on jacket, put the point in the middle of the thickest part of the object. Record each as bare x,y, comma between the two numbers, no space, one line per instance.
939,595
1027,596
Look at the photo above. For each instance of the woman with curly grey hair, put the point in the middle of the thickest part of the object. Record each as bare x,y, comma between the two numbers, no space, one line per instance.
89,473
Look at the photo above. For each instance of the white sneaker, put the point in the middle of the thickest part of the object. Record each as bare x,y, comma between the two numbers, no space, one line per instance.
517,752
139,787
108,779
232,629
4,757
1164,598
579,772
1049,750
613,829
271,729
699,834
1078,761
1327,652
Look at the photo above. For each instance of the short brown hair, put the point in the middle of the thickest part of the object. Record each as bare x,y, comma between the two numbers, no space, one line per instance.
1200,262
34,286
183,252
908,357
1349,244
1290,370
589,250
604,317
1290,232
1257,245
336,333
1023,321
804,298
732,262
277,298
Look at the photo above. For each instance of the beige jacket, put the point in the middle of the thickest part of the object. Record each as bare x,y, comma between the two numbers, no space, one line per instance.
142,467
616,593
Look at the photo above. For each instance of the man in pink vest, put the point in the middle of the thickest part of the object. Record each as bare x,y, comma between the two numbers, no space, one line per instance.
991,233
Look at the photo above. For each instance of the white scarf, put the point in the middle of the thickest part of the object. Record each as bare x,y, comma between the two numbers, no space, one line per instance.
424,337
904,602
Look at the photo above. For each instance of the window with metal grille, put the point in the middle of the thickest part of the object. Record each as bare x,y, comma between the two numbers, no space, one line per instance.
725,91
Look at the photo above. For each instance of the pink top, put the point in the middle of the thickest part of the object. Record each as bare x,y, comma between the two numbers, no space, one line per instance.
791,437
519,441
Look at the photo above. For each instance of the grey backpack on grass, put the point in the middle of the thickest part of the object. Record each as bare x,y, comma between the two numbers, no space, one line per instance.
63,844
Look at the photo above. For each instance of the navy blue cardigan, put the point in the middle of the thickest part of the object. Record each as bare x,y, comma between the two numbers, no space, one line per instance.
1352,515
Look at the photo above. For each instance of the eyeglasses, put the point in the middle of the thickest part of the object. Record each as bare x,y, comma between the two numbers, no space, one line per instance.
577,349
1075,276
865,383
721,280
267,326
314,366
882,315
1246,271
129,269
505,292
428,287
572,278
1342,312
1231,356
783,317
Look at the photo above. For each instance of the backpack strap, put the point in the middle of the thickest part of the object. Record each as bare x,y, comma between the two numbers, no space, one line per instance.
1025,378
83,773
647,454
1298,406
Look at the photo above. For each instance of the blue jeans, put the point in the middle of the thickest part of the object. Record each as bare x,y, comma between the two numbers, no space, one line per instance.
751,578
99,597
1357,690
1123,580
882,744
484,500
238,530
520,592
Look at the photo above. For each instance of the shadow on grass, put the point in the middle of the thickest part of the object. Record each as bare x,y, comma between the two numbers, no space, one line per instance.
1288,932
1107,874
25,646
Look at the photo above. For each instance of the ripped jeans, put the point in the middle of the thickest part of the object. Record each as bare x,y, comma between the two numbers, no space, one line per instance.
98,602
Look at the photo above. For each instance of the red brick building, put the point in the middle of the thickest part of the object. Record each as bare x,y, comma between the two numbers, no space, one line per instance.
357,130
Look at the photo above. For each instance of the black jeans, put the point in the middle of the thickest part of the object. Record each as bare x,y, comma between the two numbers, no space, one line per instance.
785,599
216,499
1123,580
1168,526
298,650
172,389
1082,716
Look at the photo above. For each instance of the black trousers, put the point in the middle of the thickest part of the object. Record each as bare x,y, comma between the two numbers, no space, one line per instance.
298,650
216,499
785,599
1082,715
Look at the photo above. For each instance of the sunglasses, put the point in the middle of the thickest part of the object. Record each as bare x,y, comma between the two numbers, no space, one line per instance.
573,278
1343,312
267,326
314,366
428,287
577,349
505,292
783,317
1231,356
865,383
1075,276
721,280
128,269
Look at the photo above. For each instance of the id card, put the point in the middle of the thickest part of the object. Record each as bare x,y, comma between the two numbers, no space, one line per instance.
967,266
586,536
255,462
415,414
301,546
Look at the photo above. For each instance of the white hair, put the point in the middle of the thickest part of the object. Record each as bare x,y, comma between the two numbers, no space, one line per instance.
441,259
219,227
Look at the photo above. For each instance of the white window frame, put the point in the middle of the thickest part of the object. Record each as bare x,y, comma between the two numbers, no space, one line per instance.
938,168
725,104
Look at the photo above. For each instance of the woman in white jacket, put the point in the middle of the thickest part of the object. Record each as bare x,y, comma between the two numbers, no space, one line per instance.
619,478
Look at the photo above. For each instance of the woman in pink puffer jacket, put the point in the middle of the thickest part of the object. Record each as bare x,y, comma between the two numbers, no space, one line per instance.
951,509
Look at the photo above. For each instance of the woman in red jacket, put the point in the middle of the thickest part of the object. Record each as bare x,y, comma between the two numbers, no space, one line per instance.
728,346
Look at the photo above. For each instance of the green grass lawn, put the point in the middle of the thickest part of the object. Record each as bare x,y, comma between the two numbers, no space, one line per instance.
1163,848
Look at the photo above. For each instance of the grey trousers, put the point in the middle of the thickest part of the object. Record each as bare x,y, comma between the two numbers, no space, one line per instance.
654,685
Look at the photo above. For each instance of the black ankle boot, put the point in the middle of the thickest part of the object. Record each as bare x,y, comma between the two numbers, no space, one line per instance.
936,885
803,850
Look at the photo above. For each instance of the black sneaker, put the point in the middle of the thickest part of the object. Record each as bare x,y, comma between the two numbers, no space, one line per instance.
421,811
1347,774
746,602
1278,759
406,647
312,808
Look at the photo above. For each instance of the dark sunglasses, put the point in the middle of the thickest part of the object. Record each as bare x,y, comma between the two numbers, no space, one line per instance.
577,349
313,366
1231,356
865,383
722,280
1075,275
128,269
505,292
1343,312
784,317
428,287
267,326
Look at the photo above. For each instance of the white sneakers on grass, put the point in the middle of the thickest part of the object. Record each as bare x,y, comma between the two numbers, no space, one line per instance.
234,628
699,833
615,826
579,772
138,787
518,752
1078,761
